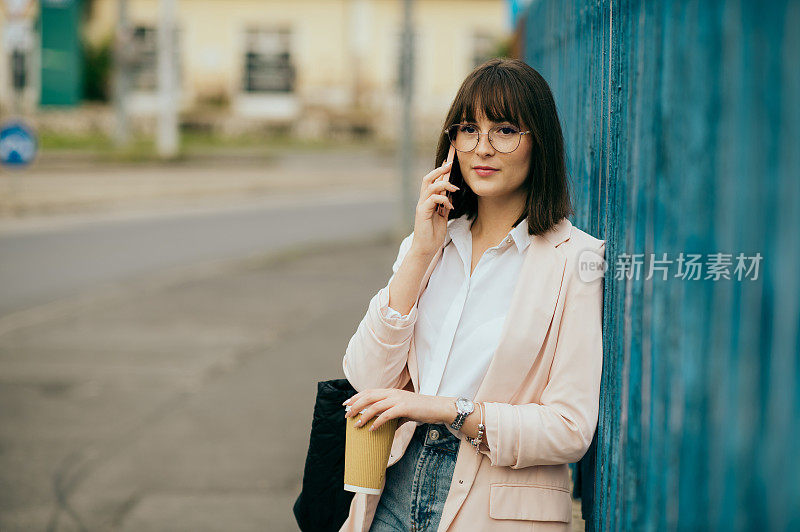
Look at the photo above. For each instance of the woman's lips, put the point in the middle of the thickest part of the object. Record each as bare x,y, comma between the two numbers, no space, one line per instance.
484,172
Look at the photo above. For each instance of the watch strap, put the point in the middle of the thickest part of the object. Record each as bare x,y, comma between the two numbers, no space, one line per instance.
459,421
461,416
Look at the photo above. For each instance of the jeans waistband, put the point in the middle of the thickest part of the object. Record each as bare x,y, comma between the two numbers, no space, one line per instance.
436,435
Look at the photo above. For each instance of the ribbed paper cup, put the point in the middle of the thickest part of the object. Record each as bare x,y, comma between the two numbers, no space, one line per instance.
366,455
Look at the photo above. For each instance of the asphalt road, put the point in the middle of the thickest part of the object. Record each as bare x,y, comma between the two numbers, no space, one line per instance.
43,263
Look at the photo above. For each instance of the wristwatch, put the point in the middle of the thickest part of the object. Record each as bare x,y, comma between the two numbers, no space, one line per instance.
464,407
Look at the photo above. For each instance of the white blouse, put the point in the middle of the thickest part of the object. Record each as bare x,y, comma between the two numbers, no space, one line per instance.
459,318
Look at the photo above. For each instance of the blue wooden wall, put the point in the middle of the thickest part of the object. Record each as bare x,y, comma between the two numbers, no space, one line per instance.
682,122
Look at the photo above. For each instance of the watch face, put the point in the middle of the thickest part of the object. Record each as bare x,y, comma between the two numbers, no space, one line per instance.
465,405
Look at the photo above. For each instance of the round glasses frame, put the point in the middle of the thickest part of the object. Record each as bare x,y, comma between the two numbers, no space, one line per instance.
478,138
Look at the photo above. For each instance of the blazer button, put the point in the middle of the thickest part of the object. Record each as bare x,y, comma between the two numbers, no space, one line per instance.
434,434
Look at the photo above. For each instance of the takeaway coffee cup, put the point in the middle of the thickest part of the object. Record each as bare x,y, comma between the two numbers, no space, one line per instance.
366,454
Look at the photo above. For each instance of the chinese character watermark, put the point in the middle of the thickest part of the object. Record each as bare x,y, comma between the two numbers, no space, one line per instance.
687,266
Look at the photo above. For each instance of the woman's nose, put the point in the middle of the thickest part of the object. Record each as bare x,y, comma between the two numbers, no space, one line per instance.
484,147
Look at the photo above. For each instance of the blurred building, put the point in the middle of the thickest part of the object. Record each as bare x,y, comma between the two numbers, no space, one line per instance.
311,65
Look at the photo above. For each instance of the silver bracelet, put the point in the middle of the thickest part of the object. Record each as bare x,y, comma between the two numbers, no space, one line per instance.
476,441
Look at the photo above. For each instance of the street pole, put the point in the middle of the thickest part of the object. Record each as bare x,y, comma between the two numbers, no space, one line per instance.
359,19
167,141
122,43
407,205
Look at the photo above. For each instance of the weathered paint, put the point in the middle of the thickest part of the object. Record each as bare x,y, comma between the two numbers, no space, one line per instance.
682,122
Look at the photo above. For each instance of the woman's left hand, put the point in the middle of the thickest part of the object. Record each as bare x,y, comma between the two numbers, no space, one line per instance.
390,403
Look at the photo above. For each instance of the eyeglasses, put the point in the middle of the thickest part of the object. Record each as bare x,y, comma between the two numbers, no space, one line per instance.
465,137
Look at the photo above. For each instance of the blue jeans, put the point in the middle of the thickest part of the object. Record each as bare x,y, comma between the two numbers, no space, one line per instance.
417,484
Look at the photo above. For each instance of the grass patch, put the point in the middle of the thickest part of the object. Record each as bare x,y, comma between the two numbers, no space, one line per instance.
195,144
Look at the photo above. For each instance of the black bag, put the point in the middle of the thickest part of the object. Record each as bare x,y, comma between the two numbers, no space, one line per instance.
323,503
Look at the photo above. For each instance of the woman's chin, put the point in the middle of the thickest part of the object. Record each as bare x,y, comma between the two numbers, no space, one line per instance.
487,190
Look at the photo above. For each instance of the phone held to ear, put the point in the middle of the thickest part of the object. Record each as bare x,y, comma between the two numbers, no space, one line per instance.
440,210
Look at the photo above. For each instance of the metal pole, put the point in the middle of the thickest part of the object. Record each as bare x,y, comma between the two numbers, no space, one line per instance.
167,141
407,130
121,76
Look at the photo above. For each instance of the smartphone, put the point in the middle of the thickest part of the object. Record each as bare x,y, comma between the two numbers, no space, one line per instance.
450,157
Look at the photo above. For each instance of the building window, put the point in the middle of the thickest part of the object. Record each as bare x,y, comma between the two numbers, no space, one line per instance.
268,61
19,70
144,58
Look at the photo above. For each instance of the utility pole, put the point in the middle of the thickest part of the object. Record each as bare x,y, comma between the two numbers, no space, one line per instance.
167,141
359,20
407,129
122,84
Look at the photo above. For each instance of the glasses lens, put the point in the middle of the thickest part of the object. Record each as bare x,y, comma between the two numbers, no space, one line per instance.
463,137
504,138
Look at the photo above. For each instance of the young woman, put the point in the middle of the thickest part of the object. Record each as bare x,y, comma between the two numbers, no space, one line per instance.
492,320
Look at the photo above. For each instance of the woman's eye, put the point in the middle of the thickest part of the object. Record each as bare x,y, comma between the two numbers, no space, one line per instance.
508,130
468,128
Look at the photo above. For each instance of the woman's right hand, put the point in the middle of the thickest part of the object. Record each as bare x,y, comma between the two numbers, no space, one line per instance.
430,227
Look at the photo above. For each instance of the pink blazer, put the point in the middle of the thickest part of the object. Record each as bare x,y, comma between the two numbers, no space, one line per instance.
542,391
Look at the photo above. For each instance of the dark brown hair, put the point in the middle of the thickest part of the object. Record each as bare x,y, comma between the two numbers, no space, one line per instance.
510,90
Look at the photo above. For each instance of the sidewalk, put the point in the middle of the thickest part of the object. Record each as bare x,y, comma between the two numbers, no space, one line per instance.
64,185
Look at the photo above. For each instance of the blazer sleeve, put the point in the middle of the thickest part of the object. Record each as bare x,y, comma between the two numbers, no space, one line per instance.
560,429
377,353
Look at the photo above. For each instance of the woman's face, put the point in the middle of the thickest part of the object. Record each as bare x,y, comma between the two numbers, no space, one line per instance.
510,169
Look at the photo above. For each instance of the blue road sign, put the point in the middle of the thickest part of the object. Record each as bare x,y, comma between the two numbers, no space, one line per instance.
17,144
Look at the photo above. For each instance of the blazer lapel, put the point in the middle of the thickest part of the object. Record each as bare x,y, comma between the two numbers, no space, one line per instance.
532,307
